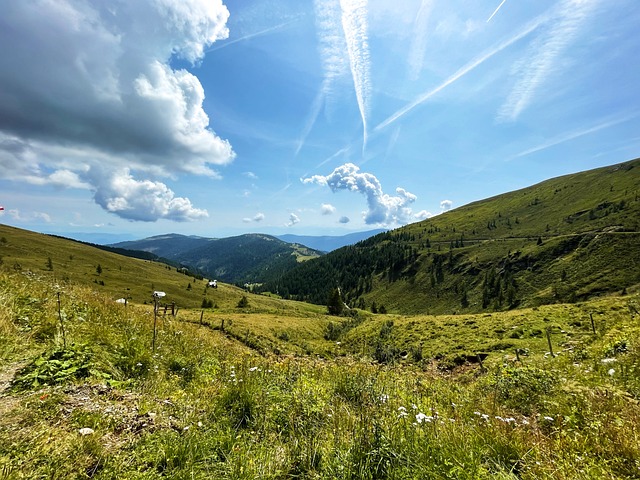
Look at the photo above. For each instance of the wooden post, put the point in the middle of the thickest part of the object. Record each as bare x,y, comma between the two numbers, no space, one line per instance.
518,355
155,319
64,336
222,326
549,341
201,315
480,362
593,324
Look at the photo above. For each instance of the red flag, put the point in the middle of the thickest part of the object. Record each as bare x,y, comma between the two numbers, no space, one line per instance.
1,207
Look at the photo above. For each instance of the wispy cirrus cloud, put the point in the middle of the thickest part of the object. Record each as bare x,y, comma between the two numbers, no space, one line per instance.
419,42
573,135
530,27
564,26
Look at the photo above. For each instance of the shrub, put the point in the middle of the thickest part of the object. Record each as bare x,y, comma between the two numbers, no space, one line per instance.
521,387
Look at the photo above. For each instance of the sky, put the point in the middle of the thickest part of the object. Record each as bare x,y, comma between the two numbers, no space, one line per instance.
311,117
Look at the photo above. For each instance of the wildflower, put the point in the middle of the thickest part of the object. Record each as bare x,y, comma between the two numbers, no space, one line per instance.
253,369
549,419
138,364
608,360
200,424
414,406
611,371
421,417
402,412
384,398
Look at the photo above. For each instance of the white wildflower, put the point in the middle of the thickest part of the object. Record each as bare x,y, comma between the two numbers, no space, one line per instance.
611,371
253,369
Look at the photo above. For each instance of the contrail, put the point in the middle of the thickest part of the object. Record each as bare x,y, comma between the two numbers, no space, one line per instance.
496,11
251,35
354,24
461,73
573,135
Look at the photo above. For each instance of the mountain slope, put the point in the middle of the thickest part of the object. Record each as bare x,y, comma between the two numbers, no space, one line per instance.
245,258
565,239
329,243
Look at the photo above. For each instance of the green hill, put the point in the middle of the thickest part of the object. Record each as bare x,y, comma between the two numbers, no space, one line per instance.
242,259
90,389
565,239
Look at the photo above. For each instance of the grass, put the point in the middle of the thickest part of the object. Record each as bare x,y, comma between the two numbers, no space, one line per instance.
205,405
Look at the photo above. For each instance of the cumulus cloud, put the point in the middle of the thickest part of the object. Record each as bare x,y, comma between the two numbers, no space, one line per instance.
445,205
143,200
383,209
327,209
422,214
257,218
344,220
293,219
110,98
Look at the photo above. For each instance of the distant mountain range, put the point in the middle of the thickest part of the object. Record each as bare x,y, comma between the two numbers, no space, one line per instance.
244,258
328,243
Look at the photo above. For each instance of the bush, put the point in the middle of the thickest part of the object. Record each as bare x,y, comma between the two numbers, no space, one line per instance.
521,388
243,302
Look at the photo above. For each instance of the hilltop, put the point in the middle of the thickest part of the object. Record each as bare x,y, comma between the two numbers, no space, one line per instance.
242,259
566,239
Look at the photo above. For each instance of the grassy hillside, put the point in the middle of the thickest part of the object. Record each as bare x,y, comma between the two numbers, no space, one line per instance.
67,262
565,239
95,400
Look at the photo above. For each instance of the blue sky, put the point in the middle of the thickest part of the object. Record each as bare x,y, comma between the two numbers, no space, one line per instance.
316,117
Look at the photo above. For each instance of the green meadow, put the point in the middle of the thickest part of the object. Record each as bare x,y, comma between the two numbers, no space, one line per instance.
255,387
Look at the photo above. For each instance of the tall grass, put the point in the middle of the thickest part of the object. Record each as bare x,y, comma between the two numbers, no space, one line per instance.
206,406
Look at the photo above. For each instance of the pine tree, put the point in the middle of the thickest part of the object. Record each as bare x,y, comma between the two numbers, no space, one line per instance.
334,302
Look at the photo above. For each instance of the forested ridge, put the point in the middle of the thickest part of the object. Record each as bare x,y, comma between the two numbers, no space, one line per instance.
565,239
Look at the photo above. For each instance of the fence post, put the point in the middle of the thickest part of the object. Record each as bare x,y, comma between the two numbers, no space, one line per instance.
64,335
549,341
593,324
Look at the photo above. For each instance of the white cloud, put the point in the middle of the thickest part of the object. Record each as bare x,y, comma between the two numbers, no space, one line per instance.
293,219
344,220
383,209
445,205
110,98
143,200
258,217
422,214
250,175
327,209
45,217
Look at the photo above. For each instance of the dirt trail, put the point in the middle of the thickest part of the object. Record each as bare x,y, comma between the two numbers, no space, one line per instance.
7,372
